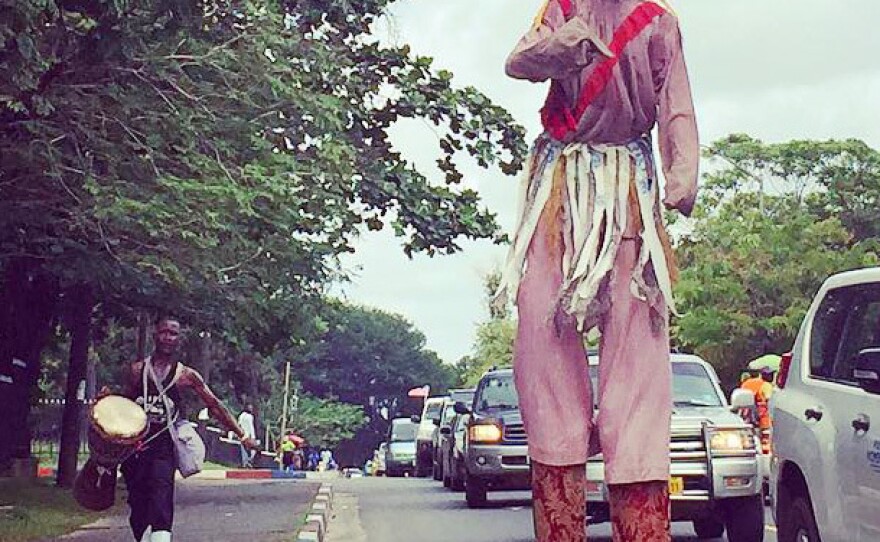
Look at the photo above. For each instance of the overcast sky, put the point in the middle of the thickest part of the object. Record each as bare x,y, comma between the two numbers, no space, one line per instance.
775,69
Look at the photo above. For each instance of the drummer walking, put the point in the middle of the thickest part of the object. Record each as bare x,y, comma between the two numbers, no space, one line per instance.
149,474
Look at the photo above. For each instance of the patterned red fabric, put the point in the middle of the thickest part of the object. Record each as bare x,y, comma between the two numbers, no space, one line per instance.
640,512
559,498
556,116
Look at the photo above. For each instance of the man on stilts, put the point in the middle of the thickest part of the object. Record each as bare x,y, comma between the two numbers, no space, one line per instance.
590,250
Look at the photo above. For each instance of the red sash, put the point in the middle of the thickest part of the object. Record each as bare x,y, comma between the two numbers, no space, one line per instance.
559,120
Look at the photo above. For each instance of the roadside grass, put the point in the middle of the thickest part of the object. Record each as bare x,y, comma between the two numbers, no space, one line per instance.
36,510
214,466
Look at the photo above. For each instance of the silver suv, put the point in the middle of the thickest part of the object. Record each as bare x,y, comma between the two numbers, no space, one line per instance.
826,438
496,455
715,478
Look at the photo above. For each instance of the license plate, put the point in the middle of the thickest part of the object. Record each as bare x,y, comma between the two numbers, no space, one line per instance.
676,485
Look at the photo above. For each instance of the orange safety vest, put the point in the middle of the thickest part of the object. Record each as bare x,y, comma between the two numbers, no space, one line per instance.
756,386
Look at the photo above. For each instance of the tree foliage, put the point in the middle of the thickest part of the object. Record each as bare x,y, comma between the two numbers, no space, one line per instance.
774,221
213,158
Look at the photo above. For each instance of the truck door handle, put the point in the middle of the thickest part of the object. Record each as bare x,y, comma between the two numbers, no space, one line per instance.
861,424
813,414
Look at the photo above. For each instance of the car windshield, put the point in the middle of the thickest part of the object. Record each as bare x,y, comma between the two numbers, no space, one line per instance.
403,432
691,385
433,411
497,393
448,413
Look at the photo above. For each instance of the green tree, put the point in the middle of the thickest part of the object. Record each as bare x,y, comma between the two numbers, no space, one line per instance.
213,158
765,235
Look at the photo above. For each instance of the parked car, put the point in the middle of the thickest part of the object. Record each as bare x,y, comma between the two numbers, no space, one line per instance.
495,448
428,426
453,454
400,456
442,436
826,438
715,474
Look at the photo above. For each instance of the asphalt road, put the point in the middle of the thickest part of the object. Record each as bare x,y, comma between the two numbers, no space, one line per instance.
407,509
208,511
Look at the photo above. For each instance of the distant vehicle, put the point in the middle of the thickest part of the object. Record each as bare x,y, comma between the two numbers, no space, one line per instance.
400,456
352,472
453,454
428,426
441,437
715,473
826,438
495,448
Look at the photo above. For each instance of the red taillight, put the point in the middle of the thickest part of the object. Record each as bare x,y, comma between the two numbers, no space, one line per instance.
784,367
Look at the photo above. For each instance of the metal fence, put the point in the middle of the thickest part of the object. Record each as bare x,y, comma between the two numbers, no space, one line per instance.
45,426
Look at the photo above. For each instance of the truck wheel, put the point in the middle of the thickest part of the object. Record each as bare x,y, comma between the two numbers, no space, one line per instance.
708,528
475,492
801,524
744,518
457,479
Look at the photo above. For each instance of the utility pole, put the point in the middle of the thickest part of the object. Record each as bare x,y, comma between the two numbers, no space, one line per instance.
286,400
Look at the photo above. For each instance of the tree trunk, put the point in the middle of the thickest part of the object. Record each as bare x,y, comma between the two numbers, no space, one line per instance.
81,306
141,336
27,305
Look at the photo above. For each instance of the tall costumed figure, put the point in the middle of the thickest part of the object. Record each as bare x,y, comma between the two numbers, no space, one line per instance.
591,250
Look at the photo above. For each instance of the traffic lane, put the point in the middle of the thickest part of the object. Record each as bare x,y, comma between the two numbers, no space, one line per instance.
403,509
210,510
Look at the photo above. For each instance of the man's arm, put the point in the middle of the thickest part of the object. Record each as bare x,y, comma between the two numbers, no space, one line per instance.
677,123
192,379
556,47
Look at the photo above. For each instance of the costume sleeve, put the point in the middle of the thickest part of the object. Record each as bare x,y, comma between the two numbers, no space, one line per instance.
677,123
555,48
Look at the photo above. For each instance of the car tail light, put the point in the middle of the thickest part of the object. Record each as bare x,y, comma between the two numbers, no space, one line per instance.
784,367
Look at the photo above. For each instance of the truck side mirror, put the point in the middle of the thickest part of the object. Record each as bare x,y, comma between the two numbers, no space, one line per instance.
741,399
867,371
416,419
461,408
436,422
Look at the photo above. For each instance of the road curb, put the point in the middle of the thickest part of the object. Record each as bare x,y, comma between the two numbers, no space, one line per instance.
248,474
315,528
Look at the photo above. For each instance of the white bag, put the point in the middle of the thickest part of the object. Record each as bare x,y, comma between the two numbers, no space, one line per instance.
189,449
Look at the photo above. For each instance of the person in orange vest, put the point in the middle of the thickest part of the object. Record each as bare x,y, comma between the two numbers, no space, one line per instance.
762,388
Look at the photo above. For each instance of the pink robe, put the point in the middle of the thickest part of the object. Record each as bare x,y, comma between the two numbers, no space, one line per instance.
588,250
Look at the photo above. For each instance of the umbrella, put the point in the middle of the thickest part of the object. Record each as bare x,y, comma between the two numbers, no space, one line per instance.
767,360
420,392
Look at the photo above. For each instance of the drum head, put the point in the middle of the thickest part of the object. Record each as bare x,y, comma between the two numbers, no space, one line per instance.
116,417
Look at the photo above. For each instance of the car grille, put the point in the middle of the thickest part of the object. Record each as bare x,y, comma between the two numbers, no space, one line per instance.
688,457
687,445
515,433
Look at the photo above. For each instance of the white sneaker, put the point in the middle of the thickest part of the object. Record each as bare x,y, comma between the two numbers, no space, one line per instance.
161,536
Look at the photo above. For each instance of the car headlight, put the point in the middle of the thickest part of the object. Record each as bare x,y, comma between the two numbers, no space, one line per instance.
732,441
485,433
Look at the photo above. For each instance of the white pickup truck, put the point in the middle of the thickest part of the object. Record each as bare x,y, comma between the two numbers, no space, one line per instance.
715,458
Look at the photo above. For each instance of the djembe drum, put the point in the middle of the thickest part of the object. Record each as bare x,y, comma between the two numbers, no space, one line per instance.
117,426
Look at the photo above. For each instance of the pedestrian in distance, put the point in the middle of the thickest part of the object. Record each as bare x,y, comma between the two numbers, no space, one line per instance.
157,383
246,422
590,250
287,449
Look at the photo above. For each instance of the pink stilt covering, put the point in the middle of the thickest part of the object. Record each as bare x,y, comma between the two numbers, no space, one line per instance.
553,381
